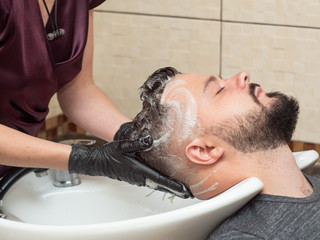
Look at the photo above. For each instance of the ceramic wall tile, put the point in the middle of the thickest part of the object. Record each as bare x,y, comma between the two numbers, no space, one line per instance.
128,48
285,12
187,8
54,107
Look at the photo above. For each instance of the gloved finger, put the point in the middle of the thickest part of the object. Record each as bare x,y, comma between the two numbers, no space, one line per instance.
158,181
123,132
166,184
138,145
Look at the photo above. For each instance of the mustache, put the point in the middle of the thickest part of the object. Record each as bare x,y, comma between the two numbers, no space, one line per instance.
252,88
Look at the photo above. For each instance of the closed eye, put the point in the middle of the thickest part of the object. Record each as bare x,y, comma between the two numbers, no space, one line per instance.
219,90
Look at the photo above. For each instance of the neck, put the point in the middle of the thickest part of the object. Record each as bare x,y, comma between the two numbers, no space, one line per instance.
278,170
203,187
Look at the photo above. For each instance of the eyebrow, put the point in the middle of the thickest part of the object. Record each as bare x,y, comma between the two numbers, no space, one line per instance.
207,82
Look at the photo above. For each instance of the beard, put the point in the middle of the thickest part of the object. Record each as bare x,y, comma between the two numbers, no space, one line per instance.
264,129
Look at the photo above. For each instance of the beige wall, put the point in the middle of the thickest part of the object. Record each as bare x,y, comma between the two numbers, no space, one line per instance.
130,47
277,42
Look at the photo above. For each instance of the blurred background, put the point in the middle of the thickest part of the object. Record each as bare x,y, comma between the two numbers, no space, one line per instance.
276,42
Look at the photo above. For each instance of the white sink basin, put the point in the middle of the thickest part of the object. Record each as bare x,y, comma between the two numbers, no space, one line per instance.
101,209
96,200
306,159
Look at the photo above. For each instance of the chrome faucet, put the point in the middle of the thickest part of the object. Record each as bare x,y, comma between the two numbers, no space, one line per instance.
64,178
61,178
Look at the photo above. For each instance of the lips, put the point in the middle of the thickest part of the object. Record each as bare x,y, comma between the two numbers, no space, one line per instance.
258,91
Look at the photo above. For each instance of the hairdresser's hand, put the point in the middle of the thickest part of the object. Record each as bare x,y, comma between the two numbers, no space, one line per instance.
124,132
114,159
117,160
151,178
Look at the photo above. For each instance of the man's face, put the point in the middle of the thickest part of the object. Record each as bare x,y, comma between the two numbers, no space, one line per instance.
240,113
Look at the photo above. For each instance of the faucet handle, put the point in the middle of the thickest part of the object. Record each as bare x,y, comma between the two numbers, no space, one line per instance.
41,172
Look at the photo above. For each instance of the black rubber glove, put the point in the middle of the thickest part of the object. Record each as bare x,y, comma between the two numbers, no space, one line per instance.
154,179
124,132
117,160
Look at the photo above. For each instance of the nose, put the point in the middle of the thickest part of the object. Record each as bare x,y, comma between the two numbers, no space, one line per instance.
242,79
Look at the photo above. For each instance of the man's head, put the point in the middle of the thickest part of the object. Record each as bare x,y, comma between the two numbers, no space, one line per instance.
200,122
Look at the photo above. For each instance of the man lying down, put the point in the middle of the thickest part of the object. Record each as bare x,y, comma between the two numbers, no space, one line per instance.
211,133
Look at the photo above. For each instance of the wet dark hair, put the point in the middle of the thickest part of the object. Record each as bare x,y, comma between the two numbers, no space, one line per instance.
153,119
152,111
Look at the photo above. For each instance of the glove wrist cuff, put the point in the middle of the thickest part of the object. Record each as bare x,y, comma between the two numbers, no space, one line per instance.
77,159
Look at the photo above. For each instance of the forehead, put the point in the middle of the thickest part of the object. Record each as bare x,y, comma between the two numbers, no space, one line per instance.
192,83
191,78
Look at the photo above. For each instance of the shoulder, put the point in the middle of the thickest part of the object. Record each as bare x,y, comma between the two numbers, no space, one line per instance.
5,5
238,226
315,180
248,223
6,13
5,8
228,233
271,217
94,3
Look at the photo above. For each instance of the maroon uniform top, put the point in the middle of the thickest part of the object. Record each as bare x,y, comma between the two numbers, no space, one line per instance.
33,68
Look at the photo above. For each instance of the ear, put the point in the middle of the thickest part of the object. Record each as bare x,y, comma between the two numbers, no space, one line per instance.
203,152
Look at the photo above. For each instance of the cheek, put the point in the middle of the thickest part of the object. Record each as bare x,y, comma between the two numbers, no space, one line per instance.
224,107
236,103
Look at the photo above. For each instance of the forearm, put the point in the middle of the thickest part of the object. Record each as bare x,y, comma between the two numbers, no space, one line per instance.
22,150
85,104
89,108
